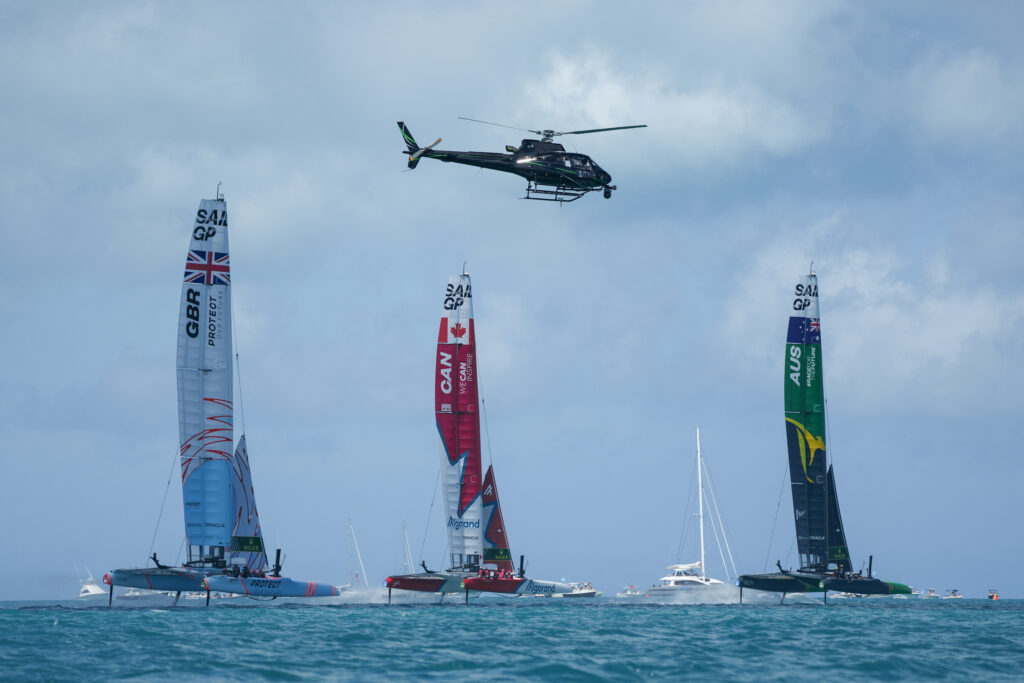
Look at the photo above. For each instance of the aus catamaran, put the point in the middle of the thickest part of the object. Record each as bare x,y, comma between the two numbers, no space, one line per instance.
225,551
825,563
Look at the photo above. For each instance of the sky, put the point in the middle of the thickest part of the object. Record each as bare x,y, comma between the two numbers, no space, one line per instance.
880,142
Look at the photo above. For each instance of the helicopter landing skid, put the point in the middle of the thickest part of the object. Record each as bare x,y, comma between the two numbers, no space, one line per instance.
560,194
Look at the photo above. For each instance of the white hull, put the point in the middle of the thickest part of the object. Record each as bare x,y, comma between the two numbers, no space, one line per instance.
701,594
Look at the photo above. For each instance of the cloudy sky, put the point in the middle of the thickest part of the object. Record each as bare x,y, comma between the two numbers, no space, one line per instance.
882,143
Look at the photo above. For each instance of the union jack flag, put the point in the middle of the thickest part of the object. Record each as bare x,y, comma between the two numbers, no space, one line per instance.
207,267
815,324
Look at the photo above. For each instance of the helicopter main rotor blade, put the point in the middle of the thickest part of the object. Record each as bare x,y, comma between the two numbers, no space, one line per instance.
596,130
491,123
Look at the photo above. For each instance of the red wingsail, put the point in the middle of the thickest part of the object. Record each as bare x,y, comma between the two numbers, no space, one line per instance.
496,545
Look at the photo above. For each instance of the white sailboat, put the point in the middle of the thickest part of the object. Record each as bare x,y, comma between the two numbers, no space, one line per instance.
691,578
357,580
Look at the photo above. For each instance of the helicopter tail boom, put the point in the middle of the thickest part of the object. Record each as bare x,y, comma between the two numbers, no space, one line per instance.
412,148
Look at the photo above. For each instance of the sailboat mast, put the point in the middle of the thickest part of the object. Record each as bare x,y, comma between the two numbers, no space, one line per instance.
700,502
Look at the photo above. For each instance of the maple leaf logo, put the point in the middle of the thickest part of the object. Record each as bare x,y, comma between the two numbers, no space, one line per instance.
458,330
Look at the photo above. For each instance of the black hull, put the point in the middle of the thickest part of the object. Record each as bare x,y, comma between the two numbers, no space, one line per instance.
783,583
865,586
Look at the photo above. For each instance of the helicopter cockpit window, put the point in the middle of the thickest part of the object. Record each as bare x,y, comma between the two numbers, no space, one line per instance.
580,162
568,164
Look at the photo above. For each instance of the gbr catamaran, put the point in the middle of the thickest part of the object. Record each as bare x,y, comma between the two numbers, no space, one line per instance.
476,536
825,563
222,527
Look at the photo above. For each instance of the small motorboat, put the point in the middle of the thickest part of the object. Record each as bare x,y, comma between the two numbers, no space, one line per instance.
579,590
629,591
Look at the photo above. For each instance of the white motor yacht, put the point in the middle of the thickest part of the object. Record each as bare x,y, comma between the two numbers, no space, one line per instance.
91,589
685,577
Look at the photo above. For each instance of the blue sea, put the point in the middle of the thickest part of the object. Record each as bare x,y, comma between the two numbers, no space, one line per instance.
502,639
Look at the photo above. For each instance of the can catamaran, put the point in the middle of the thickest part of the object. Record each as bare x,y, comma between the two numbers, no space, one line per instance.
222,527
825,563
474,526
458,426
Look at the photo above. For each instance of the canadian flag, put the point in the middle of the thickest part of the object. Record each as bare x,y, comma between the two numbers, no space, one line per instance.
454,331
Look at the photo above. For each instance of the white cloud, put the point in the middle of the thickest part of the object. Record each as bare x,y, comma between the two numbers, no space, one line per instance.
966,98
894,340
708,126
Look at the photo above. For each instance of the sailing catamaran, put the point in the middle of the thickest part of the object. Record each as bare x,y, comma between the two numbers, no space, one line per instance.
222,527
458,426
691,578
825,563
468,499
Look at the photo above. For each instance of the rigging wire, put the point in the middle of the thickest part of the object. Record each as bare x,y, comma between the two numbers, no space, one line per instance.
718,542
721,522
167,488
771,536
238,373
177,558
686,520
483,409
433,498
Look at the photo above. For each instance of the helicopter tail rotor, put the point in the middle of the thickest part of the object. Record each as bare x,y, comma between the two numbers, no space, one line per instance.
412,149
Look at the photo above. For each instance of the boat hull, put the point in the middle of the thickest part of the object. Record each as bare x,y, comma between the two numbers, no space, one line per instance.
269,587
428,582
783,582
516,586
165,579
695,586
865,586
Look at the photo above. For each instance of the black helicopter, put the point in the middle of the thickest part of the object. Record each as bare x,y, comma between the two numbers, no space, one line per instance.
542,162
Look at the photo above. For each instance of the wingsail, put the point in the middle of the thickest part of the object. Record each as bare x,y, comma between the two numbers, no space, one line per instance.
458,422
204,369
805,425
246,535
497,553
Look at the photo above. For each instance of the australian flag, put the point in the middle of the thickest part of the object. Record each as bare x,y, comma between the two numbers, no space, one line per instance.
804,330
207,267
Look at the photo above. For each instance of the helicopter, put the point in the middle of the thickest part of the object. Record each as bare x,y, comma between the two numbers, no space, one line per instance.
544,163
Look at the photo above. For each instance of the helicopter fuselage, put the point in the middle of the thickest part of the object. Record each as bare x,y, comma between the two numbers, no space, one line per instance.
541,162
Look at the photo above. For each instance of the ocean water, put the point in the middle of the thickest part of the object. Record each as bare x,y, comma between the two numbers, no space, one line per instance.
502,639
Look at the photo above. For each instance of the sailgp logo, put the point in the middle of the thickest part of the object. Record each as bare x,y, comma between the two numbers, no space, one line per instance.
454,295
463,523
